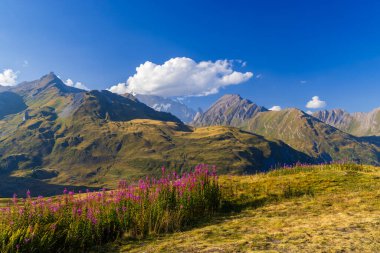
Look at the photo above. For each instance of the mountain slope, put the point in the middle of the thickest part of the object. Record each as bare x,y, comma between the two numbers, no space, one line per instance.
69,136
359,124
317,139
230,110
107,105
292,126
174,107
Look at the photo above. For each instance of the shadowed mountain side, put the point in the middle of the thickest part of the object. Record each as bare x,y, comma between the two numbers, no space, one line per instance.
375,140
10,103
110,106
19,185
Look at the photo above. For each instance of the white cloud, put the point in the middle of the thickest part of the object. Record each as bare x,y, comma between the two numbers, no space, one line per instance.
78,85
182,76
8,77
276,108
259,76
303,81
315,103
25,63
309,112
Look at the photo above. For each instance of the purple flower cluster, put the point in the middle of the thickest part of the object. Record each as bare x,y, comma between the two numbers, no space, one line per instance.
152,205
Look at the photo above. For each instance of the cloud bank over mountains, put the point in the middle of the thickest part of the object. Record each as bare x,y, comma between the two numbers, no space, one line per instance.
182,76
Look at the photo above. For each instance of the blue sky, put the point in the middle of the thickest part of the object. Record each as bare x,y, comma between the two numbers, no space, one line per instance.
298,49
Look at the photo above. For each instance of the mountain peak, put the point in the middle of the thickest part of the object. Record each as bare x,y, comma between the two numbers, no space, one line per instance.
231,96
51,78
46,82
230,109
51,75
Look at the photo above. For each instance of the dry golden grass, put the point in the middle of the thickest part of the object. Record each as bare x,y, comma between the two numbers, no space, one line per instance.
313,209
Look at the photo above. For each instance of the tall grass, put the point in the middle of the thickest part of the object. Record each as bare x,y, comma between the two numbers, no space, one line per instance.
74,222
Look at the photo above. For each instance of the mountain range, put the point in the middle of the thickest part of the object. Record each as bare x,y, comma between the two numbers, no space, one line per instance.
303,132
360,123
59,135
53,135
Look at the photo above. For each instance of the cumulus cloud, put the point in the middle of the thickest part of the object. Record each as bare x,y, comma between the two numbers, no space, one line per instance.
182,76
315,103
276,108
78,85
8,77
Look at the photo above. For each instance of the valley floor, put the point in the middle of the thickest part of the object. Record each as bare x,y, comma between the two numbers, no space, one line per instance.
313,209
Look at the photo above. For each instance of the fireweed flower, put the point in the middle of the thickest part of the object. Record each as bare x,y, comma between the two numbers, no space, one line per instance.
151,205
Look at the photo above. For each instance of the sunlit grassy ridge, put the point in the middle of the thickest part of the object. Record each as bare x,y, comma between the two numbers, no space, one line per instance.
326,208
98,154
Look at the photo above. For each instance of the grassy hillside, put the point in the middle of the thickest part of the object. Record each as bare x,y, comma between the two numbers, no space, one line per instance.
102,152
296,128
67,136
330,208
313,137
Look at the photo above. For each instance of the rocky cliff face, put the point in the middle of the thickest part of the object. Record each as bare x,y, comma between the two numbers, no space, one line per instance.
359,124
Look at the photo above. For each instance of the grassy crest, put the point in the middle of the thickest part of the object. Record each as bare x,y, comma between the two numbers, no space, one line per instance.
305,208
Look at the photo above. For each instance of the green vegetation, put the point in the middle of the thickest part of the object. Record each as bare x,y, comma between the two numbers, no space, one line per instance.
301,131
71,223
313,137
72,137
326,208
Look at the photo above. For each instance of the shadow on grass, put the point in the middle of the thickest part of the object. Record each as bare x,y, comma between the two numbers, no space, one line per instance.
228,211
19,185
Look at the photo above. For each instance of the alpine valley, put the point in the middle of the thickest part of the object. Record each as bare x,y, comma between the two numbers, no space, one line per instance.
53,135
